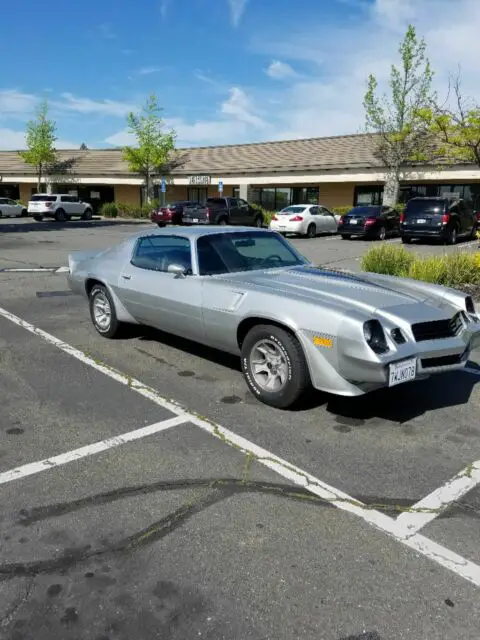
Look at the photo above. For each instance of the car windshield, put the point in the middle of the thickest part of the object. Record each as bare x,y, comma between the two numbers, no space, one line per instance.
245,251
364,212
293,209
44,198
414,207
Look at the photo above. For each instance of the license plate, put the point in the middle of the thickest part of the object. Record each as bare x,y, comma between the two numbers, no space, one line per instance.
421,221
353,221
282,227
195,219
402,372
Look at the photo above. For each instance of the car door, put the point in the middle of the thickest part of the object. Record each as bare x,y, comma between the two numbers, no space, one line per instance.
158,298
4,209
466,219
15,209
246,213
329,222
234,211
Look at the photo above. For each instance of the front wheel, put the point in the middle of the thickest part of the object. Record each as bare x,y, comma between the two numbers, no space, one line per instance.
274,366
88,214
162,224
60,215
24,213
102,312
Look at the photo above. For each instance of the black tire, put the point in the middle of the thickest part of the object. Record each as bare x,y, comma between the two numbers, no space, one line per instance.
451,236
406,240
345,237
38,218
473,234
222,221
113,330
24,213
298,377
162,224
382,233
258,222
60,215
311,231
87,215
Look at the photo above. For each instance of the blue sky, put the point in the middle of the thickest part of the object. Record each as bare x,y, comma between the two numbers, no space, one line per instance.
225,71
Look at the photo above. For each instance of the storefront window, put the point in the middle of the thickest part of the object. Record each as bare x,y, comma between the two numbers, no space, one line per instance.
368,194
268,199
283,198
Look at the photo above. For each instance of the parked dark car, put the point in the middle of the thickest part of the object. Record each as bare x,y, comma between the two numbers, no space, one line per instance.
369,221
442,218
223,211
171,213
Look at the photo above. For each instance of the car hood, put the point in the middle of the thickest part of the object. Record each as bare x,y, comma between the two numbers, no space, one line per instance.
365,292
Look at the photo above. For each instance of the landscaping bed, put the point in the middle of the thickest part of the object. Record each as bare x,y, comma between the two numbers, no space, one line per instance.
459,270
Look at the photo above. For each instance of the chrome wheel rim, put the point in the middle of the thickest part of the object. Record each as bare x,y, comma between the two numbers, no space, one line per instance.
102,311
269,366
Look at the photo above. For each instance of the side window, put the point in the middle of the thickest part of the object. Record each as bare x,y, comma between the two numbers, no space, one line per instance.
314,211
157,253
325,212
11,202
233,202
209,260
462,208
242,203
65,199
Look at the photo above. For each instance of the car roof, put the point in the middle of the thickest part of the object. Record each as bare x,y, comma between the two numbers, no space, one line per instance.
444,196
198,231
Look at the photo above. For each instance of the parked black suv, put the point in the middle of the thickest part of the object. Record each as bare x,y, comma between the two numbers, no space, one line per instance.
444,218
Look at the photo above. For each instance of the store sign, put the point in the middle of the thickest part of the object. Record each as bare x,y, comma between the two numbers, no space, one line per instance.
199,181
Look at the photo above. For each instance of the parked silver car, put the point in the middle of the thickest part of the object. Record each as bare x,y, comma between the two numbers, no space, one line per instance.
295,325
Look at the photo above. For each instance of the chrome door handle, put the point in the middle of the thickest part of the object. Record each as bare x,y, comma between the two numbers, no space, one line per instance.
125,277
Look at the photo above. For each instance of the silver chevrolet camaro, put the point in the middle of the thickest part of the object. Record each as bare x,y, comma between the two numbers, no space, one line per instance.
294,325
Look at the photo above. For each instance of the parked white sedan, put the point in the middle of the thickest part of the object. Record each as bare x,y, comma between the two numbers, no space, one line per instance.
305,220
10,209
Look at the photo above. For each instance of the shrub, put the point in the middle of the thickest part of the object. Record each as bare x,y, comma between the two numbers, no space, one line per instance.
134,211
388,260
451,270
108,210
341,211
267,215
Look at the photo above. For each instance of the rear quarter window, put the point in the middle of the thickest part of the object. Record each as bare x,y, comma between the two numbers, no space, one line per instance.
431,207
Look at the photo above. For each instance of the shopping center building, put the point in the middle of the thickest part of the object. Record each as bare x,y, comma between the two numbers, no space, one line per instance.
336,171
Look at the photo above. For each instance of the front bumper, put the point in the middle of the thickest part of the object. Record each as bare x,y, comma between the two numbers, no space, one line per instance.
354,369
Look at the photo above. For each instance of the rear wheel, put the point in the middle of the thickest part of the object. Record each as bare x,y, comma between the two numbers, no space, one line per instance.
345,237
274,366
451,236
60,215
102,312
406,240
382,233
162,224
222,222
311,231
24,213
38,218
258,222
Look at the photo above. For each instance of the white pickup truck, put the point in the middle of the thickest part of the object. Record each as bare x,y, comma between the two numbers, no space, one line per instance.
60,206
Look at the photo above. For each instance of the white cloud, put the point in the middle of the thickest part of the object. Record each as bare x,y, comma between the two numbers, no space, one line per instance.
147,71
239,107
15,104
237,9
87,105
280,70
15,140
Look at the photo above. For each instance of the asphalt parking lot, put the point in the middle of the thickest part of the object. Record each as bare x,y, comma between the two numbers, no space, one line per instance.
146,494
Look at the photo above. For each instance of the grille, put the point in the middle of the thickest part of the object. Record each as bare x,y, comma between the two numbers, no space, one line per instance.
442,361
437,329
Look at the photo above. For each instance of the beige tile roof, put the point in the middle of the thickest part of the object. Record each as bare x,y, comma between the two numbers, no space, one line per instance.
341,152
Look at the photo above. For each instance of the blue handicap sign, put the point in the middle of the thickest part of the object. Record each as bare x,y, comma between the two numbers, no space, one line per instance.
164,185
220,185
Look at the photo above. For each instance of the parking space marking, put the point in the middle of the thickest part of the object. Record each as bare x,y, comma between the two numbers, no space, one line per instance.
390,526
436,502
89,450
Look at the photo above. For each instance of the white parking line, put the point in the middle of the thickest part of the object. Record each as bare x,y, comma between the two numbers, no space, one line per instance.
89,450
432,505
390,526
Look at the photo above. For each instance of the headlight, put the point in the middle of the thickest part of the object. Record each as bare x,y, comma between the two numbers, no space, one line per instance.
469,306
375,336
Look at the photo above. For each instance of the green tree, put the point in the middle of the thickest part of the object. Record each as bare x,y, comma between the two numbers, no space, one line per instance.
83,147
402,135
456,127
154,145
40,139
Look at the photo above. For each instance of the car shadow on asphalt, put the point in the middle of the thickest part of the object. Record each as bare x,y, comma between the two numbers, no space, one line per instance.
399,404
53,225
405,402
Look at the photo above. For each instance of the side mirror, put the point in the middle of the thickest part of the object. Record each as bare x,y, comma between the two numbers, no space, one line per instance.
177,269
